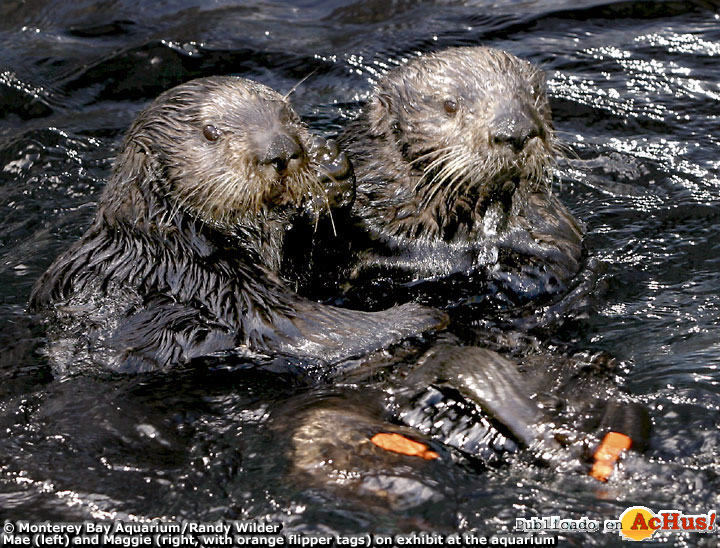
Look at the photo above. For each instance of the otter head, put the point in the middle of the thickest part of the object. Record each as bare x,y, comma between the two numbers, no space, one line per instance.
468,132
224,150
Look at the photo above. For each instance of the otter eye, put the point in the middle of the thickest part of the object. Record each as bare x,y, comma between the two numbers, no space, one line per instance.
450,106
211,133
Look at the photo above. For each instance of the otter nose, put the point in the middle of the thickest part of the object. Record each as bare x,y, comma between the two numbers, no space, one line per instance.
514,126
281,150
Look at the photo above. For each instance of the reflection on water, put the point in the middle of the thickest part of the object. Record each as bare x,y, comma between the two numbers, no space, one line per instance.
635,93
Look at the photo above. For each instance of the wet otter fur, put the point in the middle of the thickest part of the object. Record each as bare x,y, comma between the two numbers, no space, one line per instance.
453,157
183,255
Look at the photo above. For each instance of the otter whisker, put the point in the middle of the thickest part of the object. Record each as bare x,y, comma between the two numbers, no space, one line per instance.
451,153
444,160
456,184
332,220
292,89
216,195
207,197
454,163
476,176
430,169
431,153
327,200
179,204
450,172
564,150
438,180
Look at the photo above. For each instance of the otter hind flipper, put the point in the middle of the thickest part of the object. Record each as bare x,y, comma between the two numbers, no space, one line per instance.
488,380
629,418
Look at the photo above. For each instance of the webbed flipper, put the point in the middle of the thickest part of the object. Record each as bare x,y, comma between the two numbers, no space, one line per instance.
489,381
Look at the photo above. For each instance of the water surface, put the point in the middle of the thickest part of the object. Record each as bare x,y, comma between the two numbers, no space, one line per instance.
635,92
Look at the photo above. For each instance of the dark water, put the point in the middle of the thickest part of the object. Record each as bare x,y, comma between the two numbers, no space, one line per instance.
635,90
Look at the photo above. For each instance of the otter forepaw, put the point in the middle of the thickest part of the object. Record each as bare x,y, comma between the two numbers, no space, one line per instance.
415,319
336,172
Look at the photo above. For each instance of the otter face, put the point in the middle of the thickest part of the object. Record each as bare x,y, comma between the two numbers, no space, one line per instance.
231,149
472,126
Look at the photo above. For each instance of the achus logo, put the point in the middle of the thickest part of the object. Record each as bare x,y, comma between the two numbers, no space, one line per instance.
640,523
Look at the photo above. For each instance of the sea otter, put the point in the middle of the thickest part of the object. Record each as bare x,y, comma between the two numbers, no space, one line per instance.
183,256
453,155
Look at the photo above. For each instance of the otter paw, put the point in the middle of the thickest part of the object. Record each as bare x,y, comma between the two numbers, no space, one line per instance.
335,171
414,319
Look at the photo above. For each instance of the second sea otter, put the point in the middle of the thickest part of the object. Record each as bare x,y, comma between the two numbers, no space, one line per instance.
453,156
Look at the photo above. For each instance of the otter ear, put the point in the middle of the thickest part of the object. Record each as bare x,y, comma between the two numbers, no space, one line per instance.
125,196
135,163
382,114
385,101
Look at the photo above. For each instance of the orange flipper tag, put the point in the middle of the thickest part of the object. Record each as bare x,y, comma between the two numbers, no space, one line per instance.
608,453
398,443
